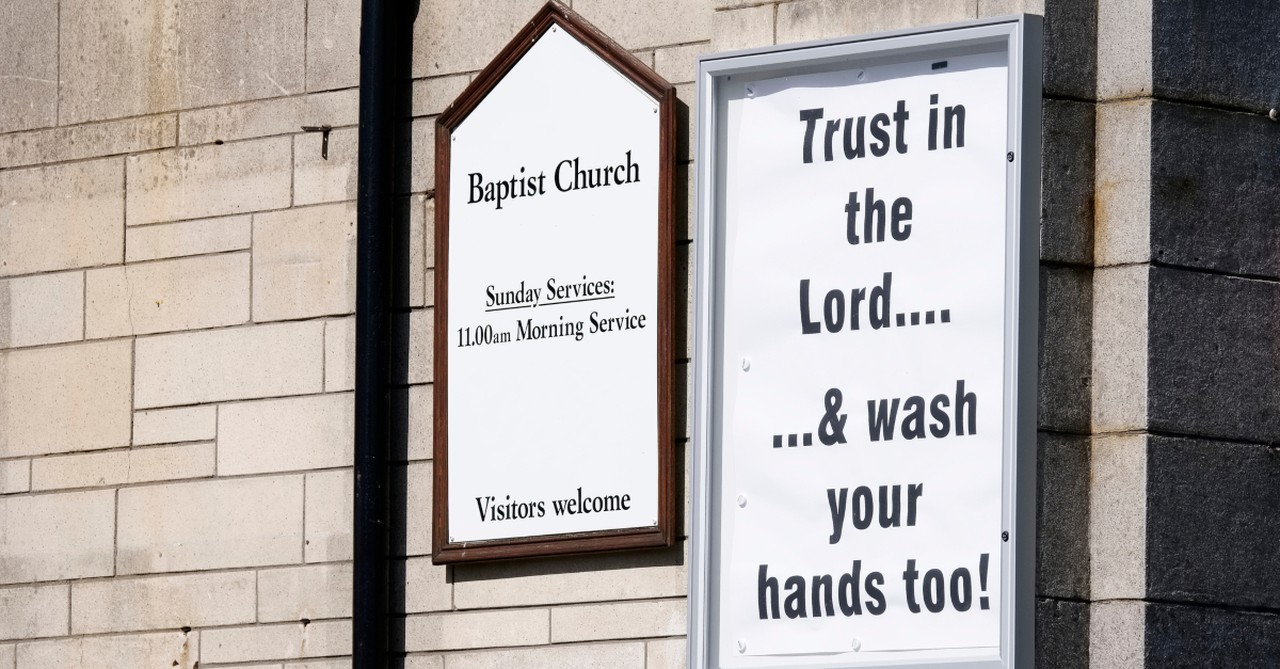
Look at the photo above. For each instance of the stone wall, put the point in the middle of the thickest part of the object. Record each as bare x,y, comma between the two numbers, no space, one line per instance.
177,277
176,283
1186,343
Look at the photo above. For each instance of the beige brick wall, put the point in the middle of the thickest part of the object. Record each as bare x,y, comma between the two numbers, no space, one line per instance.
177,283
177,278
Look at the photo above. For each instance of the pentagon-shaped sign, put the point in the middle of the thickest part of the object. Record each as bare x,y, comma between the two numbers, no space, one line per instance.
553,315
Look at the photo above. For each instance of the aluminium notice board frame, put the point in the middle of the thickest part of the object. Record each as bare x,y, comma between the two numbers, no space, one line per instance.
725,81
572,218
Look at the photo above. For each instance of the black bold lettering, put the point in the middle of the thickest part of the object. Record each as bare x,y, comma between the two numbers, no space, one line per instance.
807,325
873,218
941,421
854,149
956,132
851,221
810,118
933,122
880,147
828,146
875,605
961,589
913,424
890,506
966,402
768,585
833,310
882,418
820,592
839,504
900,117
914,491
901,214
794,605
879,304
850,602
909,576
856,297
862,507
934,599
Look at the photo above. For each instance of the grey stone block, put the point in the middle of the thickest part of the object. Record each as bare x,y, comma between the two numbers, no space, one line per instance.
28,66
463,36
1062,516
1213,369
1215,181
333,44
1217,53
1117,634
1062,634
825,19
1122,173
1066,330
1070,52
1212,523
1124,50
133,57
653,23
1118,534
1120,348
1067,180
1188,636
743,28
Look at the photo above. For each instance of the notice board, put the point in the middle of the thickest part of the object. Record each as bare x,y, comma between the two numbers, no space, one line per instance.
865,351
553,316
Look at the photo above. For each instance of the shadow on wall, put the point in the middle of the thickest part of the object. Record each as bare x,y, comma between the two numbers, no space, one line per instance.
398,354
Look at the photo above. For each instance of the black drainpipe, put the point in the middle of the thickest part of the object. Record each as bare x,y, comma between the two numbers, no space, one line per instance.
374,209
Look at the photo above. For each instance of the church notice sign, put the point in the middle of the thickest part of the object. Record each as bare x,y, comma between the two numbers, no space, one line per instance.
553,315
865,351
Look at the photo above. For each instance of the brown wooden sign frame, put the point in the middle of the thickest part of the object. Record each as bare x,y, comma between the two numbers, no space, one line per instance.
443,550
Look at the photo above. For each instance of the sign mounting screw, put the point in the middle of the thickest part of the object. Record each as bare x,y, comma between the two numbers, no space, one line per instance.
746,365
742,501
1010,156
742,646
857,644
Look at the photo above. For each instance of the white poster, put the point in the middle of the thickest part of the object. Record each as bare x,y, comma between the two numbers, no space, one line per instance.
552,302
863,365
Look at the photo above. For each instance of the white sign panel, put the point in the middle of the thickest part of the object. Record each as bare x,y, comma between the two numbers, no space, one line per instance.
553,306
864,391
